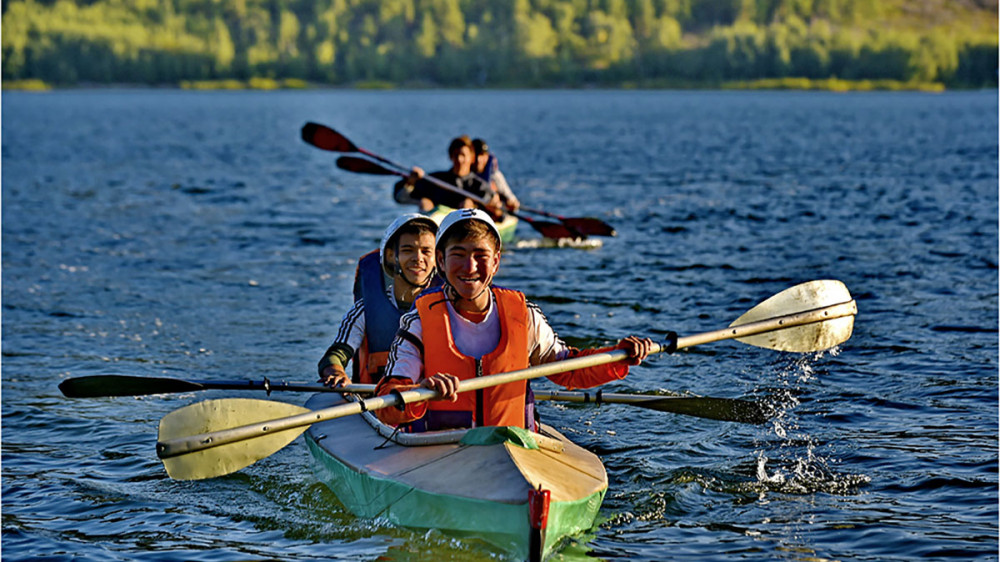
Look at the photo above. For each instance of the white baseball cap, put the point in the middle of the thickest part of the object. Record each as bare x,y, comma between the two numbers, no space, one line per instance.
460,215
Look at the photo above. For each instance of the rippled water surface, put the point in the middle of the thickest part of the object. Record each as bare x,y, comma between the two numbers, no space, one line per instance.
194,235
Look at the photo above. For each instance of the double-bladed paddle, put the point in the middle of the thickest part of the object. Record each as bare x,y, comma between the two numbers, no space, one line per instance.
325,138
218,437
724,409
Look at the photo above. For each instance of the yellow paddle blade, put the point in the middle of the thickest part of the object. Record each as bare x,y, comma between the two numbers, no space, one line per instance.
215,415
800,298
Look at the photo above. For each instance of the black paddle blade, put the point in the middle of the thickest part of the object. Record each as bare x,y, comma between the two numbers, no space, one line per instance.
122,385
326,138
362,166
723,409
589,226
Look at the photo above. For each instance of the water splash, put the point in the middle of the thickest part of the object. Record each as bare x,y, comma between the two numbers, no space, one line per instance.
799,463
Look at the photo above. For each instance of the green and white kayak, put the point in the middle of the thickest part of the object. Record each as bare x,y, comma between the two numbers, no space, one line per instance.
507,226
466,483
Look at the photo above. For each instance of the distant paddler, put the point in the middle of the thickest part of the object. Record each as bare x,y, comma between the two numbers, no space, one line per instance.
427,196
487,167
405,257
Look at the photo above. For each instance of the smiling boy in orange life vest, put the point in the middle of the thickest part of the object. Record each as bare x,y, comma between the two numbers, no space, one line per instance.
469,328
406,255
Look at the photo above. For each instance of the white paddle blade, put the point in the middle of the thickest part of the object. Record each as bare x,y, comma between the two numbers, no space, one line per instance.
215,415
800,298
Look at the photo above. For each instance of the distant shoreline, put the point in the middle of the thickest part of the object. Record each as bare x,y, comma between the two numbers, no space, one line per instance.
268,84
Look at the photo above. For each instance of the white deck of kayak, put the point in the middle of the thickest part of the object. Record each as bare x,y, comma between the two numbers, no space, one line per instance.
501,473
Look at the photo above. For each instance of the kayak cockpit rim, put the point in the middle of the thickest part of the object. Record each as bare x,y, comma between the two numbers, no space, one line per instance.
393,435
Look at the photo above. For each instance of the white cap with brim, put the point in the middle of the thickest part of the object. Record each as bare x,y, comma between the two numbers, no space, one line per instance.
460,215
393,228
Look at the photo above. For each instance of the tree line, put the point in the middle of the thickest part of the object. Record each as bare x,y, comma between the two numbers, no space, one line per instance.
498,43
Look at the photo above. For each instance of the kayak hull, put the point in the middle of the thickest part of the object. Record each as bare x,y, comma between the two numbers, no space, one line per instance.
461,489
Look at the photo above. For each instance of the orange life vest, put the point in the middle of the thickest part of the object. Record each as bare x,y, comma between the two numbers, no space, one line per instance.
497,405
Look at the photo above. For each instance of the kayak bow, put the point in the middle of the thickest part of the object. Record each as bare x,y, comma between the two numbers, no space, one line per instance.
468,483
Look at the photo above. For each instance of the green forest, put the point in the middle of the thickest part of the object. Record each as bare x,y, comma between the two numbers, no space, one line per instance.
501,43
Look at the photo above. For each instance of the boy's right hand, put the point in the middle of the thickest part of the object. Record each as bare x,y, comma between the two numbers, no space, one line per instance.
444,383
334,376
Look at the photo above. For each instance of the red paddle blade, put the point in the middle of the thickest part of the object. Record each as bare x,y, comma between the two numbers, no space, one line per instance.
362,166
552,230
589,226
326,138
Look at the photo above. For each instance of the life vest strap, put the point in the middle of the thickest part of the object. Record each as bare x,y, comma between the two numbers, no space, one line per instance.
404,334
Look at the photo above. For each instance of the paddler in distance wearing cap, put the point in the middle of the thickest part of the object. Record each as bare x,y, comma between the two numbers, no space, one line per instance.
468,327
487,167
406,257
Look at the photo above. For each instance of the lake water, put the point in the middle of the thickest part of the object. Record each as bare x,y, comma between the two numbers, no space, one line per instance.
194,235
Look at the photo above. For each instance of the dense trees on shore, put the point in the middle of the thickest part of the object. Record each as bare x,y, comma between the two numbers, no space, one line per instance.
500,42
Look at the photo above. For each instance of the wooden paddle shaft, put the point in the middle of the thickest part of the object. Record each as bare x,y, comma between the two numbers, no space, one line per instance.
822,314
185,445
